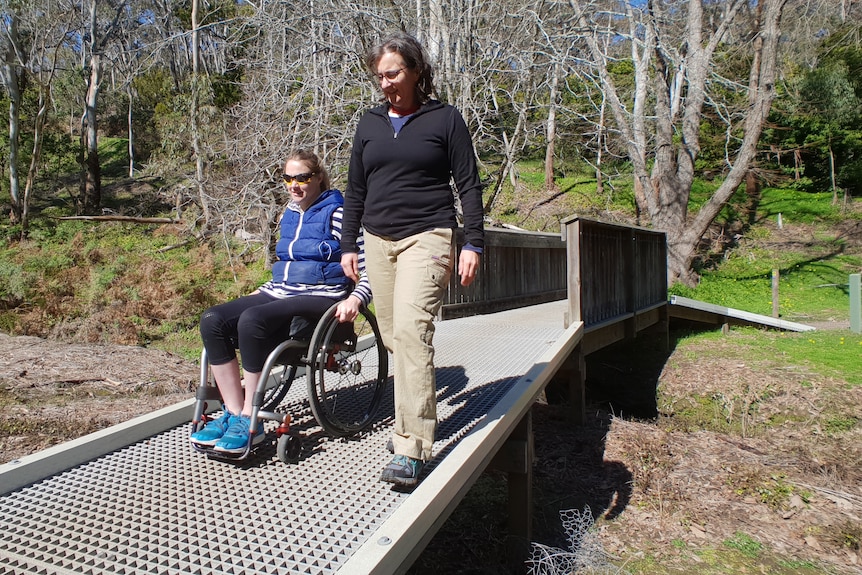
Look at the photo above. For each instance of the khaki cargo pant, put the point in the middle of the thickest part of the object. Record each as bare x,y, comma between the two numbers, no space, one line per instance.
409,278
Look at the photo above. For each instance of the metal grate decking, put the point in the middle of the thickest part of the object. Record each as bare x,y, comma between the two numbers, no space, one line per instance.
156,506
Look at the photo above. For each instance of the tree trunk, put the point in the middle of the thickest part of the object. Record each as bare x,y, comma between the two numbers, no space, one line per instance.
761,89
676,88
38,129
797,164
552,128
600,142
509,162
196,97
832,175
11,79
90,199
14,154
131,131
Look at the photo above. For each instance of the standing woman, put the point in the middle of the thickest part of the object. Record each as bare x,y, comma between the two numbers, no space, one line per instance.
405,153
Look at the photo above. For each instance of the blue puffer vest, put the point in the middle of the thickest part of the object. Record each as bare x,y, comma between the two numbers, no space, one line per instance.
303,257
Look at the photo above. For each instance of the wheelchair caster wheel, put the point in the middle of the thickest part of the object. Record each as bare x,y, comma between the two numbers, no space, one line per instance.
289,448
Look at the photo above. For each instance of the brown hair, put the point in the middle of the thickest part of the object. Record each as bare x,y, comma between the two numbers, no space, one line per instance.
414,57
314,164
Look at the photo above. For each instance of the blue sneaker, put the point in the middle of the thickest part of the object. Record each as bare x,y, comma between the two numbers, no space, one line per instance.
403,471
212,431
235,439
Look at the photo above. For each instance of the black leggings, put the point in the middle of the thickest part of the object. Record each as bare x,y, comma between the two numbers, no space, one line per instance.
255,324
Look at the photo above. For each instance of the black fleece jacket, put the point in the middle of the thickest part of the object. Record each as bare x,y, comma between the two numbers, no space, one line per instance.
398,185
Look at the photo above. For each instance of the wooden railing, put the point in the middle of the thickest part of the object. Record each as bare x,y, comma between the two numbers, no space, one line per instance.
519,268
610,273
617,276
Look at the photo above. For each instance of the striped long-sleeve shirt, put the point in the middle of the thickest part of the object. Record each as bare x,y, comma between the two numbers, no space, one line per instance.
361,290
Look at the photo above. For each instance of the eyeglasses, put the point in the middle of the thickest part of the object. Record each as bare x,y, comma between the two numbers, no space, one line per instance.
303,178
388,74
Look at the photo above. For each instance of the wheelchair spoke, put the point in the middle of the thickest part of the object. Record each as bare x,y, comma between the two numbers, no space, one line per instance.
348,375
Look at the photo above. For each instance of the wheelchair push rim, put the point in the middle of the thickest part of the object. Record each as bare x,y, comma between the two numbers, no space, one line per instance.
347,372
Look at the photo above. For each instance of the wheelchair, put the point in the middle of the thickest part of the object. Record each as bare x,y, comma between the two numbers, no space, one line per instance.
346,367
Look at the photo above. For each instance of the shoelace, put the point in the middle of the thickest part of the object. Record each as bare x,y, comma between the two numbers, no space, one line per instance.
239,426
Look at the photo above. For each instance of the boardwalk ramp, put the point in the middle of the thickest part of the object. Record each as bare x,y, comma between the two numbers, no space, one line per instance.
703,312
136,499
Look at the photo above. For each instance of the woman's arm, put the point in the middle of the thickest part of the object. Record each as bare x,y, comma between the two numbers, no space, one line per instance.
354,197
462,163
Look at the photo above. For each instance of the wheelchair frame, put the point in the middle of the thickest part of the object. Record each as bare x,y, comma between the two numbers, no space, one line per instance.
346,366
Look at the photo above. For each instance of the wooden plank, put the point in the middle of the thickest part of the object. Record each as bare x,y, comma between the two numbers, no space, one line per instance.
682,305
455,310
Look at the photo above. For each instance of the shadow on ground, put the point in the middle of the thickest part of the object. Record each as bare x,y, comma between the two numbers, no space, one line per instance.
570,468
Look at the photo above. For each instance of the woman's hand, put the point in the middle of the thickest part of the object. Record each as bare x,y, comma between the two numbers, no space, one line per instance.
347,309
350,265
468,266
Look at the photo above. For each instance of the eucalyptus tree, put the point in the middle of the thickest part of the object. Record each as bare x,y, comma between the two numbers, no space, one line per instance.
674,46
103,21
34,46
12,71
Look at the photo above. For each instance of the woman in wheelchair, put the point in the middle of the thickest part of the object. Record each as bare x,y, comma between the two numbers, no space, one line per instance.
306,280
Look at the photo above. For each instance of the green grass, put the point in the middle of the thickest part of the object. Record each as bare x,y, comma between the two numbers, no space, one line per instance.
114,156
813,278
740,554
799,206
832,354
745,544
813,292
835,354
813,275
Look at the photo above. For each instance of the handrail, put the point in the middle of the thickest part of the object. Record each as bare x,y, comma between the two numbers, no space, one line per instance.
607,272
518,268
614,270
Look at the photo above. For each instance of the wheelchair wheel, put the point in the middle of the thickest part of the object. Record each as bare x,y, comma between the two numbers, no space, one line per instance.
348,368
273,395
289,448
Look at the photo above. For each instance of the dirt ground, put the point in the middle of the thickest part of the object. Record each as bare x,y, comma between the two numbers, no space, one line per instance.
52,392
655,490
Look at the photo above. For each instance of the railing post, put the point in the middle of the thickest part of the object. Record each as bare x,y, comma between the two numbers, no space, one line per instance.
775,280
855,303
632,281
573,265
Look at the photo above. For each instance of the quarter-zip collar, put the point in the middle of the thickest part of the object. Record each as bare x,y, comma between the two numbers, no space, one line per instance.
383,111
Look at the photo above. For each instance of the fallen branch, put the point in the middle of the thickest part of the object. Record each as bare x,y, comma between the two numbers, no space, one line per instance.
197,238
133,219
175,246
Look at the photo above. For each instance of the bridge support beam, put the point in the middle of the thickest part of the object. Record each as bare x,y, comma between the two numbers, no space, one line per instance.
515,458
574,373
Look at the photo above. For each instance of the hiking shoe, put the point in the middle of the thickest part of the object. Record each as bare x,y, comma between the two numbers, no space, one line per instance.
402,470
212,431
235,439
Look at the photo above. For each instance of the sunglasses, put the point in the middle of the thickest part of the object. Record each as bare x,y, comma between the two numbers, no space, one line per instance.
388,74
303,178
